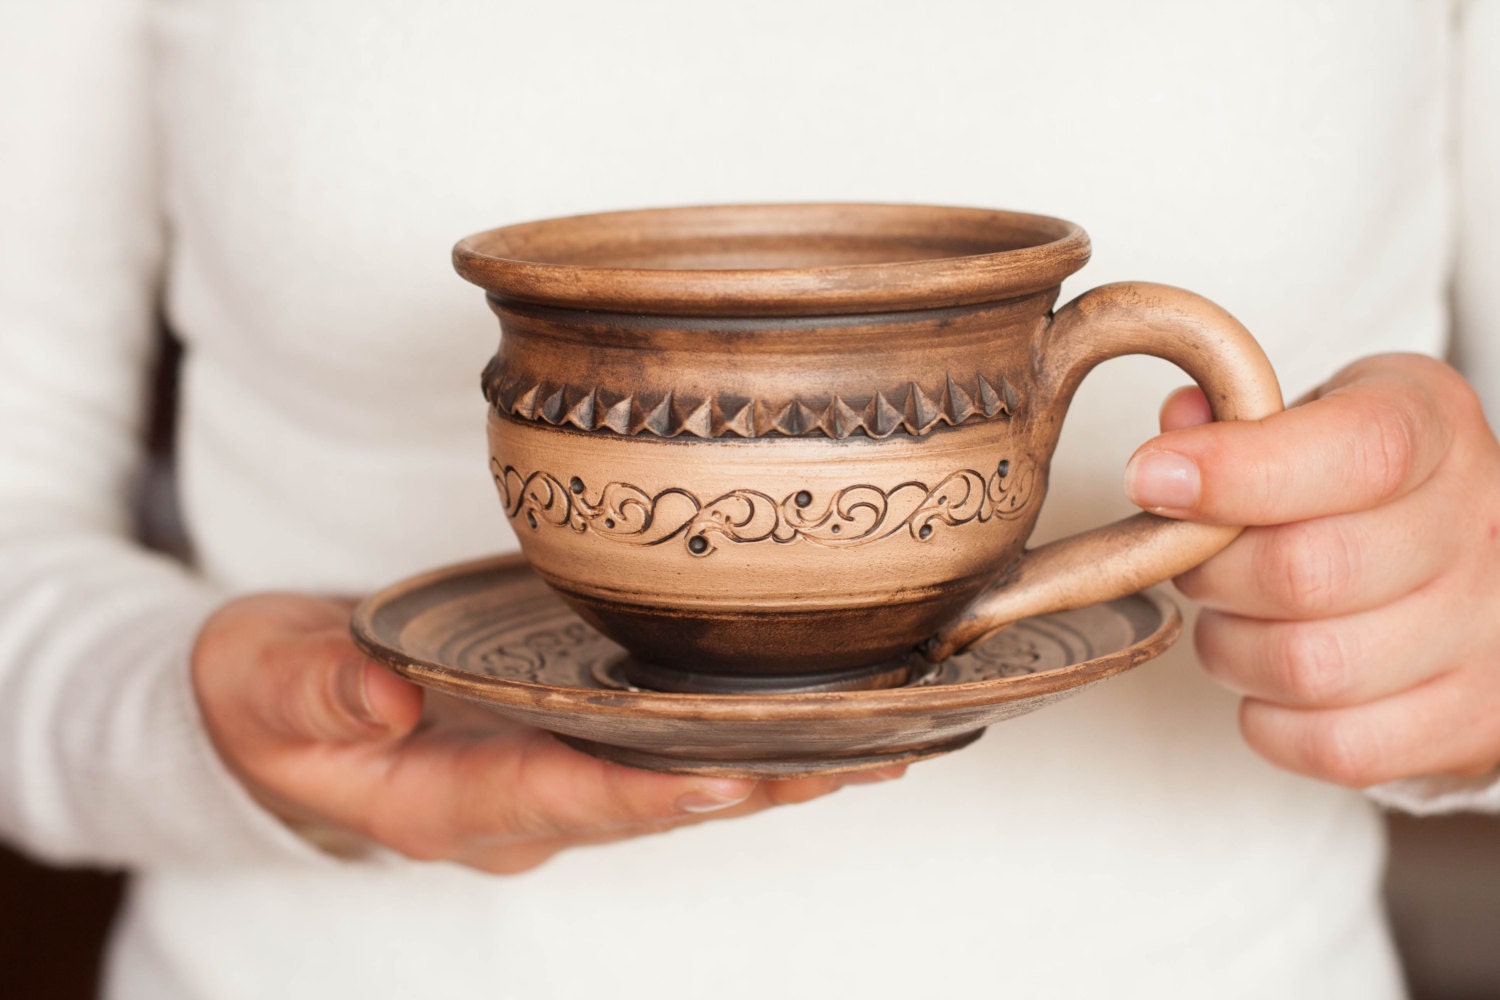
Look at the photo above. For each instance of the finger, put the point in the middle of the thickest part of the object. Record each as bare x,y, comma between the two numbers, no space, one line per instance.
436,796
510,859
439,795
1374,434
1334,565
877,777
283,668
579,796
795,791
320,687
1446,726
1185,407
546,788
318,720
1330,662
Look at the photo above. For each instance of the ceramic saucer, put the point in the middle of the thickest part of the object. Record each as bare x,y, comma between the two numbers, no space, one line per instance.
491,632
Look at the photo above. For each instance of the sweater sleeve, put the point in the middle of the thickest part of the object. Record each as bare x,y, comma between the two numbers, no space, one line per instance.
1476,286
103,757
1476,314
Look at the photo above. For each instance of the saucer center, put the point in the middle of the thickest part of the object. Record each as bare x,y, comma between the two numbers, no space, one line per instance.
630,672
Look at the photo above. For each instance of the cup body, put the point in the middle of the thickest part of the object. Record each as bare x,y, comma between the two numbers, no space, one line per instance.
768,443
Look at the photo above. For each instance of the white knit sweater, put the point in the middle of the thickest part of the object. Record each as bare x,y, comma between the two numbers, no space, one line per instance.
292,175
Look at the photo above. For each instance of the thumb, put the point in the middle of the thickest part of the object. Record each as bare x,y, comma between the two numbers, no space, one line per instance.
322,688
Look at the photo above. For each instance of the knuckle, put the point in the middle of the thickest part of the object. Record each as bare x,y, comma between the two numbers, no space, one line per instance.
526,818
534,805
1313,565
1344,751
1310,665
621,806
1386,451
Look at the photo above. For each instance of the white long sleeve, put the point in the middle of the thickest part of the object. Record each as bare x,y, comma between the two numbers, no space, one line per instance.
1476,280
103,758
1476,316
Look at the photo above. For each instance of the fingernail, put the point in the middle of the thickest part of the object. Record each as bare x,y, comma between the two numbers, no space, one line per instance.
353,694
705,800
1155,479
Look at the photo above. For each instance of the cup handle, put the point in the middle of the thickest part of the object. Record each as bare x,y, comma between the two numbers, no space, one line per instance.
1136,552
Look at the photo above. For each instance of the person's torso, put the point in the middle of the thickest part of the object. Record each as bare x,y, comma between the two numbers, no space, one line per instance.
1285,159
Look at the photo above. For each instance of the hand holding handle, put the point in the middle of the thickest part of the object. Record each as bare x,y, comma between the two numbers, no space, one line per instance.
1121,558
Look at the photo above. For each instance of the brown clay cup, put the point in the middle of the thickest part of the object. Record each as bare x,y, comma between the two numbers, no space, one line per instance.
771,447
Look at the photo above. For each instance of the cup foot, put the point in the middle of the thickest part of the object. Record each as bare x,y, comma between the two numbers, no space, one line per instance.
655,677
792,767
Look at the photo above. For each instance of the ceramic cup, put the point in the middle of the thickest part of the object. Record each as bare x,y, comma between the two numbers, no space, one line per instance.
780,446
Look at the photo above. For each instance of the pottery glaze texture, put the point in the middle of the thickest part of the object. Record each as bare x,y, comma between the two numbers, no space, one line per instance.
788,443
788,495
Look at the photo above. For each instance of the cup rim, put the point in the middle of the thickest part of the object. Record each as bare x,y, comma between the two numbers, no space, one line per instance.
528,262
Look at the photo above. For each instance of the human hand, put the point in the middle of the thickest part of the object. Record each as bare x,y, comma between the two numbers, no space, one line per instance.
1359,616
323,736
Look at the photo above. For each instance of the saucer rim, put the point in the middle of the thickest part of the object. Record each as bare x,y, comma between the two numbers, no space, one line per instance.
638,704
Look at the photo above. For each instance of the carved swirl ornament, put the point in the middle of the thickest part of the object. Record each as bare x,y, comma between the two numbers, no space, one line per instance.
911,409
852,515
